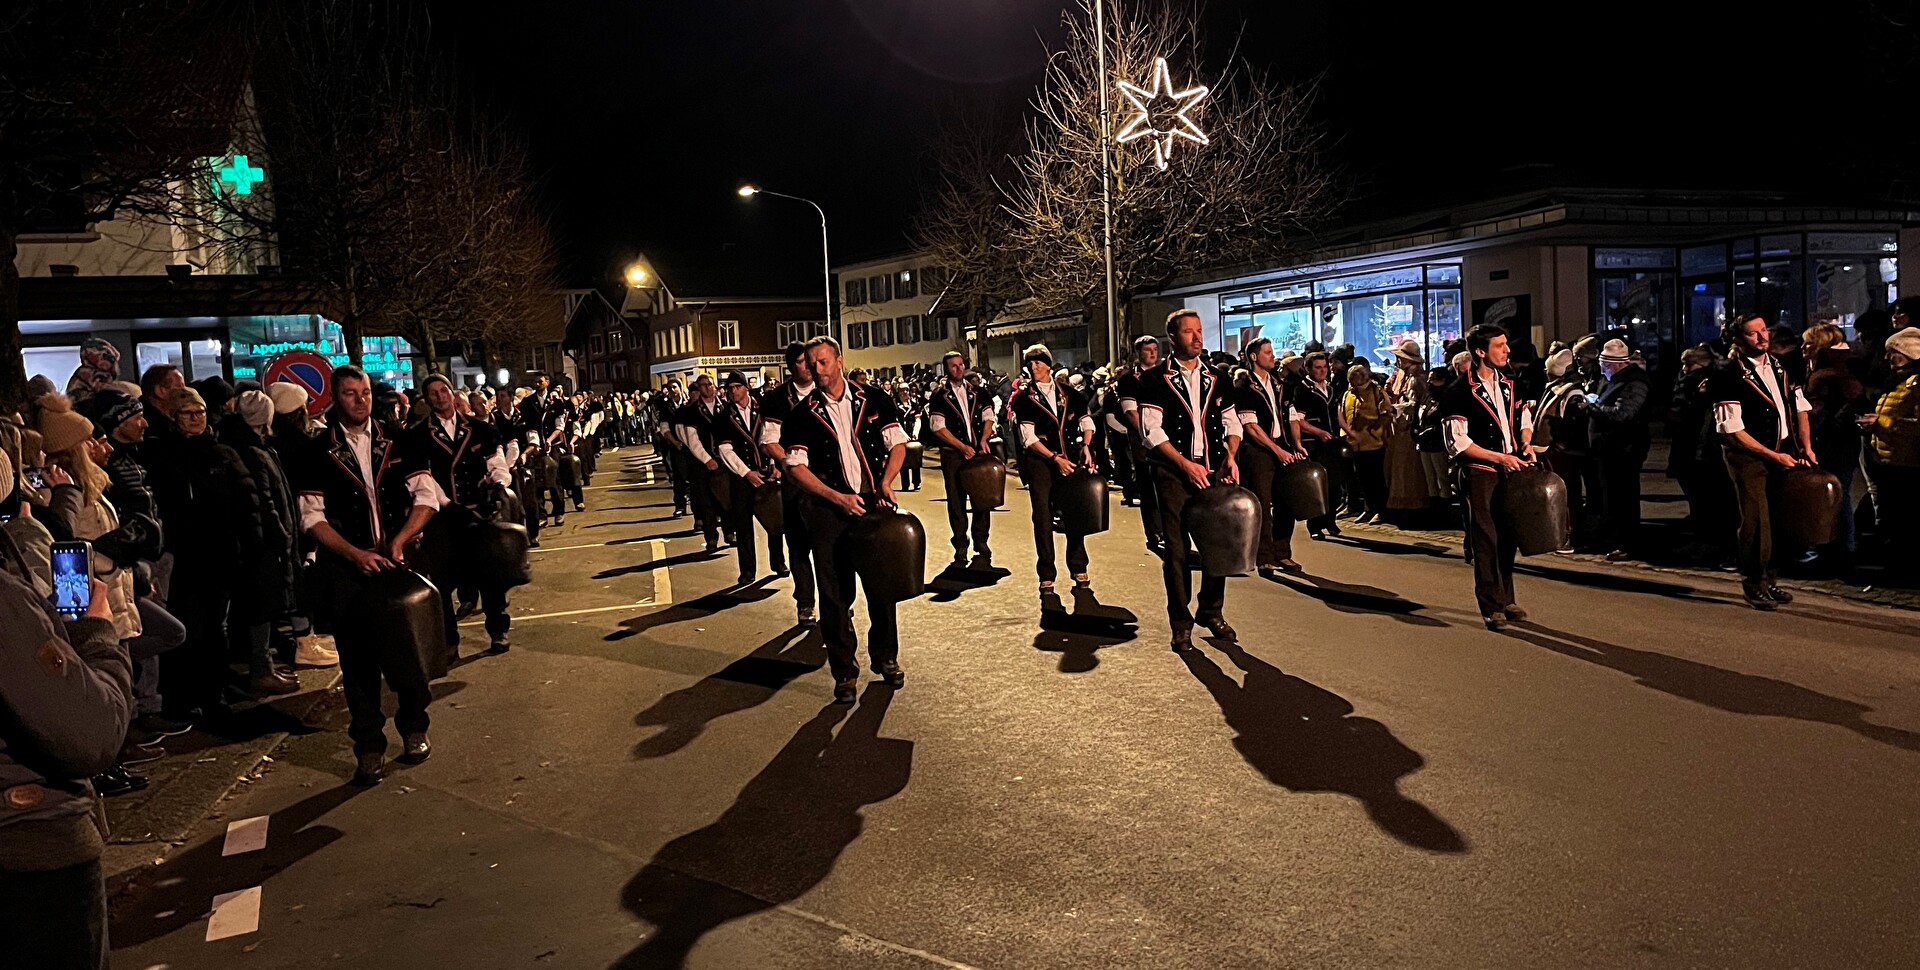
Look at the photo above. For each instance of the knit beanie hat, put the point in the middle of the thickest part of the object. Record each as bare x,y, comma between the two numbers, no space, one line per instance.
1906,343
255,408
60,428
287,396
184,397
112,405
1558,363
216,392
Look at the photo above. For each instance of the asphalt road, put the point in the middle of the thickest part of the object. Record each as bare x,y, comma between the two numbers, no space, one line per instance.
1647,774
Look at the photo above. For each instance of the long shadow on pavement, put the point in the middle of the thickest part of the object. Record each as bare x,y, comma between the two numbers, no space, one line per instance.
1079,636
1305,738
1717,687
1355,598
742,685
779,839
693,609
955,580
651,565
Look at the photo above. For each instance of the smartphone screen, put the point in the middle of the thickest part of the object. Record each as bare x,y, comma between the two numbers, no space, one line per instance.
35,477
72,578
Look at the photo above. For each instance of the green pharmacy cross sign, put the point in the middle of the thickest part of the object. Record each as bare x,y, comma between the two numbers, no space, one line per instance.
241,175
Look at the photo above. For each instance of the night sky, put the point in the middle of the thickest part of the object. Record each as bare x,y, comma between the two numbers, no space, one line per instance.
645,115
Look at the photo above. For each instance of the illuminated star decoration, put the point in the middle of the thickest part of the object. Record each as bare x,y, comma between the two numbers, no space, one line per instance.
1142,126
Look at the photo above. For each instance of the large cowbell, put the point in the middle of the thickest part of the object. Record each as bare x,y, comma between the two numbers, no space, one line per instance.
1301,488
916,456
770,508
1080,504
501,556
889,551
1809,500
400,608
1224,521
1530,505
569,470
984,479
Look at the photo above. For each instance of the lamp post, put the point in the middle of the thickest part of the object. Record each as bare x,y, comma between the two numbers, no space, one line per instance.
750,190
1106,192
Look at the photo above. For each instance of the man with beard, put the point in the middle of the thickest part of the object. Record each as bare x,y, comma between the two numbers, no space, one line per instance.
362,499
961,417
1264,410
844,447
1761,416
1188,420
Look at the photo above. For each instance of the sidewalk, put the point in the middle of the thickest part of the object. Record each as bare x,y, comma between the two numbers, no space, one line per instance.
200,768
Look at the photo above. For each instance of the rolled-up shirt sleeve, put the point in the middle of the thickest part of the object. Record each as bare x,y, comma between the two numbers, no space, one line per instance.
770,431
893,436
1086,424
796,456
513,452
732,460
1456,438
1247,420
1028,437
313,510
1151,428
1800,400
1230,421
425,491
499,467
1727,418
693,443
937,421
1129,404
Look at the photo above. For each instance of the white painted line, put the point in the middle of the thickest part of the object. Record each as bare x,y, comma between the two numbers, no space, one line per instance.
234,914
245,835
636,605
662,577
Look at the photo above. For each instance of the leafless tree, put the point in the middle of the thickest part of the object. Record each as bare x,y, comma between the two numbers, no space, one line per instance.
965,225
106,109
1252,193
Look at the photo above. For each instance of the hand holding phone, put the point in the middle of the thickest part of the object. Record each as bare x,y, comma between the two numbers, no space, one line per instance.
73,583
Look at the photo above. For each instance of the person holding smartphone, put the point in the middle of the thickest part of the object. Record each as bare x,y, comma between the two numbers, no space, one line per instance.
66,698
362,500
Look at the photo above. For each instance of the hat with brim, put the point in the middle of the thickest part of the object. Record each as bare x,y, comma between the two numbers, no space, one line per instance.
1409,350
1615,351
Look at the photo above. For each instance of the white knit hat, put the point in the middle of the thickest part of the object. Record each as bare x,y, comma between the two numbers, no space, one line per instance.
287,397
255,408
1906,343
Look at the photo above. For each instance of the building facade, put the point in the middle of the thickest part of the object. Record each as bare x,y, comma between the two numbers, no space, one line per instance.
890,318
1558,264
711,336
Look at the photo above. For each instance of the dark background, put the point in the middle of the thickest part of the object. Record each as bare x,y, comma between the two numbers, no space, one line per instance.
645,115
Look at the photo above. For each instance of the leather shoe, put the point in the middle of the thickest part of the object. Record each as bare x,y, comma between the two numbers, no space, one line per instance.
272,685
1495,622
161,727
1289,566
846,691
1183,639
807,616
1219,627
1779,595
414,749
117,780
369,770
892,674
1514,612
499,645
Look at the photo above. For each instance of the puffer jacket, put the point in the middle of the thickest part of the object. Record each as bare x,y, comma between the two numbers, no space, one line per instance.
129,492
209,502
270,577
66,697
1896,423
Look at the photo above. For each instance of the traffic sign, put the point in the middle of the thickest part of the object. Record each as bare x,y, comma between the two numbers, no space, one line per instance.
308,370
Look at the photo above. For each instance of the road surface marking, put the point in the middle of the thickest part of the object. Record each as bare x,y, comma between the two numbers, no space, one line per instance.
245,835
590,545
662,577
234,914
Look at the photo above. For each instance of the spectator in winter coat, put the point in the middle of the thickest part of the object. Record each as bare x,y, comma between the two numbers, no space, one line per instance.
1619,419
65,692
212,515
1837,395
265,588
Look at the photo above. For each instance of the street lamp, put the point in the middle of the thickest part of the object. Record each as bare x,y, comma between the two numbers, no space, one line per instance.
750,190
636,275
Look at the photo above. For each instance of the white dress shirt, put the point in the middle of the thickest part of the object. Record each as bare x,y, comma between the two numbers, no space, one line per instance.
425,491
1458,440
1263,384
1727,418
770,433
727,456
